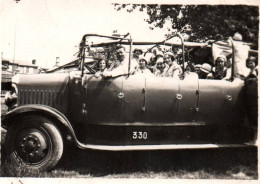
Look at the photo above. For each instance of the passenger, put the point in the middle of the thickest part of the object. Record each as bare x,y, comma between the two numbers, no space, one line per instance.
189,68
143,66
120,66
190,72
110,65
160,66
136,54
102,66
251,63
204,71
173,70
153,58
229,69
135,59
152,66
197,68
220,70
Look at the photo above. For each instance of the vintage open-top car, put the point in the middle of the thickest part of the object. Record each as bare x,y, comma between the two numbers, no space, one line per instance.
127,112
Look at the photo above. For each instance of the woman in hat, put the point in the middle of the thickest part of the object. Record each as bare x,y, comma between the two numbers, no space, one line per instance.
173,69
160,66
143,66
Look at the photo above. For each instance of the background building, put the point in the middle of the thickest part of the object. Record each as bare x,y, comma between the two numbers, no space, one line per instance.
10,68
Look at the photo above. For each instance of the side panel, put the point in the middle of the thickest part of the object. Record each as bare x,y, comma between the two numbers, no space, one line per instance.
213,103
133,100
188,104
236,107
161,102
102,101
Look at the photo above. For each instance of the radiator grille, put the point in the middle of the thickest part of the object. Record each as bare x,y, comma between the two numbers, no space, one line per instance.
44,97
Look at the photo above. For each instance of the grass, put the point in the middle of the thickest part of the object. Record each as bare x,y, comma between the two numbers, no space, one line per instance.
190,164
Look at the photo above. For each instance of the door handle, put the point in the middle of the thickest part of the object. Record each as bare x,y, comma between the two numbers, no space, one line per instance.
121,95
228,97
178,96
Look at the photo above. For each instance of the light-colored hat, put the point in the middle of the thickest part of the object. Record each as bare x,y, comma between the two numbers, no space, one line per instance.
170,54
159,54
159,60
206,68
145,58
237,36
198,66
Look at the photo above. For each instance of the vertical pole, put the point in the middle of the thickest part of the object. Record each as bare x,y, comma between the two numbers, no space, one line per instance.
183,55
14,36
130,55
183,52
233,60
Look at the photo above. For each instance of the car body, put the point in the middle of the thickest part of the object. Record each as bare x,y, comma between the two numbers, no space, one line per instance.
127,112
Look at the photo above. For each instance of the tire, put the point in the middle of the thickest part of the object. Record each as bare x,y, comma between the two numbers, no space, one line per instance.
34,144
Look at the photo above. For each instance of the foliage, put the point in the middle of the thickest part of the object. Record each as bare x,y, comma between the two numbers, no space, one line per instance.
202,22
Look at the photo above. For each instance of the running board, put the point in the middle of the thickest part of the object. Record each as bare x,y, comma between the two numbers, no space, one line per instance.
162,147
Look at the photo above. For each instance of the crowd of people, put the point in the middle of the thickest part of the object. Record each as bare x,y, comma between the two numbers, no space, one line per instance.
166,65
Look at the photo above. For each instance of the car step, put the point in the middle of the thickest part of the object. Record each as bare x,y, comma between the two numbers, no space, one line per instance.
163,147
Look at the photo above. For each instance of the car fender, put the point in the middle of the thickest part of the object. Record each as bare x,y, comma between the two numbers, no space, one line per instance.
45,110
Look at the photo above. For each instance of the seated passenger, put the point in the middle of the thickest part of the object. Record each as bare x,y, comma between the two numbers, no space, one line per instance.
220,70
120,66
204,72
251,63
143,66
152,66
136,54
190,72
101,67
174,70
153,57
160,68
197,68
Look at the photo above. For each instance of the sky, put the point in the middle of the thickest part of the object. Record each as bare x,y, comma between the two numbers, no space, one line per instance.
46,29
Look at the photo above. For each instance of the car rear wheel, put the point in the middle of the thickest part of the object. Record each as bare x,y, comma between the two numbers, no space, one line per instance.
35,143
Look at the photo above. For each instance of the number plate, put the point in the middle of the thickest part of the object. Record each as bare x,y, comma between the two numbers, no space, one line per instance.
137,135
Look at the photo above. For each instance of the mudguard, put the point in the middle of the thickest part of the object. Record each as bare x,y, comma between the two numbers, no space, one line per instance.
47,110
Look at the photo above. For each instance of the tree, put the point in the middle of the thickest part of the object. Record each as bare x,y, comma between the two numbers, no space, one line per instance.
202,22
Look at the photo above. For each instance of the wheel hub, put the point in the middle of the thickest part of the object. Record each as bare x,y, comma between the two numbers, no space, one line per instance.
32,146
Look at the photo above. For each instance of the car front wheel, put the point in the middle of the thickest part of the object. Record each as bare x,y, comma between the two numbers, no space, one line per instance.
34,143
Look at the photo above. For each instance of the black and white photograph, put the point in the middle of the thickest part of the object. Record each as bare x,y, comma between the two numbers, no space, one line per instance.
129,90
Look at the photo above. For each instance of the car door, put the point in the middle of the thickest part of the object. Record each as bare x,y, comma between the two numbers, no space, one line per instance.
214,103
133,99
161,104
103,98
188,102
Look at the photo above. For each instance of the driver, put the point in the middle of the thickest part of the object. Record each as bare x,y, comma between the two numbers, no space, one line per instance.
121,68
